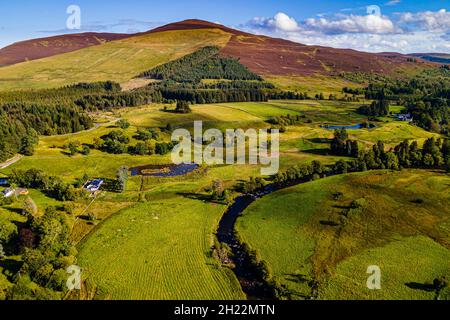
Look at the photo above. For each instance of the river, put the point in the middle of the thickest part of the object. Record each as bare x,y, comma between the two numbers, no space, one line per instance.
250,279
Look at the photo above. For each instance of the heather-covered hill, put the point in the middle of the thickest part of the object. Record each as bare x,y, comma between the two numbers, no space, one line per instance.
51,46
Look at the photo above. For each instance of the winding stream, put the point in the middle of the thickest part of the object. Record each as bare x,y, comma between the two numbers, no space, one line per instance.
251,282
250,279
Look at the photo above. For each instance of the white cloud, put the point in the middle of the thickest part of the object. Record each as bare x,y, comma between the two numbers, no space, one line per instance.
402,32
280,21
403,43
393,2
352,24
428,20
340,24
285,23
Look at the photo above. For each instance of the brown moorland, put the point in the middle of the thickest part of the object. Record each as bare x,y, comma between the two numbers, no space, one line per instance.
261,54
46,47
277,57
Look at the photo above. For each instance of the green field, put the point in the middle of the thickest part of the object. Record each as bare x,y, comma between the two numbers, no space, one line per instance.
160,247
144,236
303,234
154,240
159,250
313,84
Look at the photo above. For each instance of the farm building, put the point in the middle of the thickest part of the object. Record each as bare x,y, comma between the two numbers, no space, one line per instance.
8,192
404,117
94,185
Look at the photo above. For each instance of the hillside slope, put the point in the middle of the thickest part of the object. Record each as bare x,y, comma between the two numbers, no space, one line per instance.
269,56
122,60
119,60
51,46
322,243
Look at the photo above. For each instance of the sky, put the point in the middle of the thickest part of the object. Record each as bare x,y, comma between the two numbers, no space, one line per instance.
376,26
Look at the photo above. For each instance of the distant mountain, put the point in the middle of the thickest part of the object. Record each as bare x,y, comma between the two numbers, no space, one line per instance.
47,47
270,56
433,57
195,24
122,57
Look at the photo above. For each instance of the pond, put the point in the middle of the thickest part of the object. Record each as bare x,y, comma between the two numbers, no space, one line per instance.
365,125
162,171
350,127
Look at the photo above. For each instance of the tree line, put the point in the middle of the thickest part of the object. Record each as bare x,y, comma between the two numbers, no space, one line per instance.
54,187
205,63
44,245
116,142
26,114
435,154
426,97
20,125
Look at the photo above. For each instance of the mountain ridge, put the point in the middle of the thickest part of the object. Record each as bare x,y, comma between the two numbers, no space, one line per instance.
124,58
34,49
39,48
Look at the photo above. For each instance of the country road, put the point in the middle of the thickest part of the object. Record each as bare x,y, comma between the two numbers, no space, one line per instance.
17,157
11,161
96,126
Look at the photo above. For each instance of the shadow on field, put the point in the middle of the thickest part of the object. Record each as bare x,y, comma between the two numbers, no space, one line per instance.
298,278
420,286
200,197
319,140
342,207
303,279
14,210
319,152
329,223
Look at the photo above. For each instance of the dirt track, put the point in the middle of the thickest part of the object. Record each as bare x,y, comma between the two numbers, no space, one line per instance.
11,161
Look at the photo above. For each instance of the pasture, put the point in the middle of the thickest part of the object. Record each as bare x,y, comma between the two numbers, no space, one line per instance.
313,232
153,241
159,250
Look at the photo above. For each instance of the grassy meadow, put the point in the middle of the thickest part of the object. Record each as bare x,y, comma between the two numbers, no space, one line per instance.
311,234
159,250
313,84
154,240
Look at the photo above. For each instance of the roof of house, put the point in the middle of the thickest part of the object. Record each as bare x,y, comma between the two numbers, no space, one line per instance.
94,184
7,191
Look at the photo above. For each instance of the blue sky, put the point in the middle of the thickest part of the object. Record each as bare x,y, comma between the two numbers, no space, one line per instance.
402,25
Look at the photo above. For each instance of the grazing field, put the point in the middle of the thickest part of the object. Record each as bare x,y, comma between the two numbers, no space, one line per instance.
408,265
117,61
314,233
97,164
393,133
313,84
302,143
159,250
153,241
